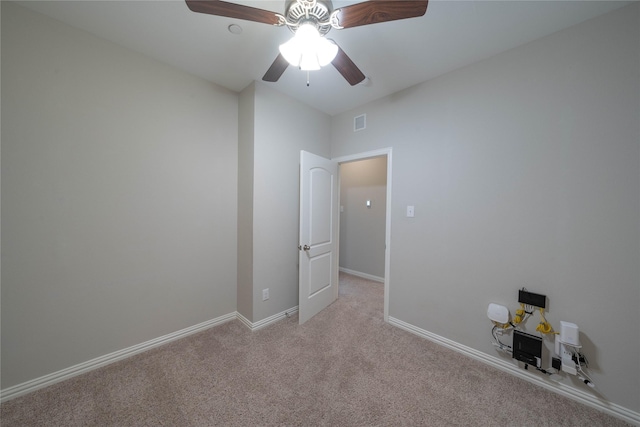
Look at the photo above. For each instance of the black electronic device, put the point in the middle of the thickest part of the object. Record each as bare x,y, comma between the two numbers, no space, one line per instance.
527,348
530,298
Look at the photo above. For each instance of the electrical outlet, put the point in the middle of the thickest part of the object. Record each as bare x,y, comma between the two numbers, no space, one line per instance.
411,211
265,294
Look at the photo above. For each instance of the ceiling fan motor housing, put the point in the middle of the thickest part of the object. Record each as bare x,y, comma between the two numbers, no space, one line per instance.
317,12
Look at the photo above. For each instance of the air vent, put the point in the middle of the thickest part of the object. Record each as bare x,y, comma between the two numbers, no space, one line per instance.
359,122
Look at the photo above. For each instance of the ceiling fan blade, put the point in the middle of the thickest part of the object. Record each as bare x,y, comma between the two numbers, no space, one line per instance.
233,10
375,11
347,68
277,68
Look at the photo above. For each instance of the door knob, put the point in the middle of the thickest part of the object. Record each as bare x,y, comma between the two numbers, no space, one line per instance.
305,247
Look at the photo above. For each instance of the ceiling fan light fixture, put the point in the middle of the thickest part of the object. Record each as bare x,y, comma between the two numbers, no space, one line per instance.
308,50
309,62
292,51
312,20
326,50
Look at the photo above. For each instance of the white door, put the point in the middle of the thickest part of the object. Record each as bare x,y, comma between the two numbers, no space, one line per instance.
318,250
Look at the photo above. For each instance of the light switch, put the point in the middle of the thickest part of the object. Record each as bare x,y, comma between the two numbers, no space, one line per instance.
410,211
368,203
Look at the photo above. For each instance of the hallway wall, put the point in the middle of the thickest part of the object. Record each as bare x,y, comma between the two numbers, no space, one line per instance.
362,228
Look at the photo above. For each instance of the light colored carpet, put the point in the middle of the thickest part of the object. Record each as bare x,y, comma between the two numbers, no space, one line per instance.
345,367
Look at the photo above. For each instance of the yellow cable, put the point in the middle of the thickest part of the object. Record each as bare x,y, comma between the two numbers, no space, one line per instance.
519,314
544,326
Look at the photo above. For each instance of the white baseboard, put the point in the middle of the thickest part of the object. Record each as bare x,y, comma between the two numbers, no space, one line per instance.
50,379
557,387
267,321
363,275
64,374
560,388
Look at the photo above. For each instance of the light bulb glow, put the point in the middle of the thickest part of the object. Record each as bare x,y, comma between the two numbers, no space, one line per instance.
326,51
307,33
308,50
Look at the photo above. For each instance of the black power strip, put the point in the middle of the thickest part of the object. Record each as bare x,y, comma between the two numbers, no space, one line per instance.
529,298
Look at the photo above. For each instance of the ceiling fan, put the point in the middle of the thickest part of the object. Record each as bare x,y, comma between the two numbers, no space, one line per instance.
310,21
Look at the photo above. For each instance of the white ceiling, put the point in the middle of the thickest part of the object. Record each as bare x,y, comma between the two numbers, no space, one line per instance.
394,55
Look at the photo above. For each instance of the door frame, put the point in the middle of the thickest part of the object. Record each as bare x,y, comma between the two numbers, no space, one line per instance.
387,238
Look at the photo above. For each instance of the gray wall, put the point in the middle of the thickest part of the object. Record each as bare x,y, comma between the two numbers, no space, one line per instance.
246,135
118,197
281,128
524,170
362,229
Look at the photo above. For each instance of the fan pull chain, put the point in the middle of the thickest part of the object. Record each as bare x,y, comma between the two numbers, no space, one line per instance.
307,78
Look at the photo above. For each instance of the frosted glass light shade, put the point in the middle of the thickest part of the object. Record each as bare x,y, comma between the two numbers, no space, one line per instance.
326,51
308,49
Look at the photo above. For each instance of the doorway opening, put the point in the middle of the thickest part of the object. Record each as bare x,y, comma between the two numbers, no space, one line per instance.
365,216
